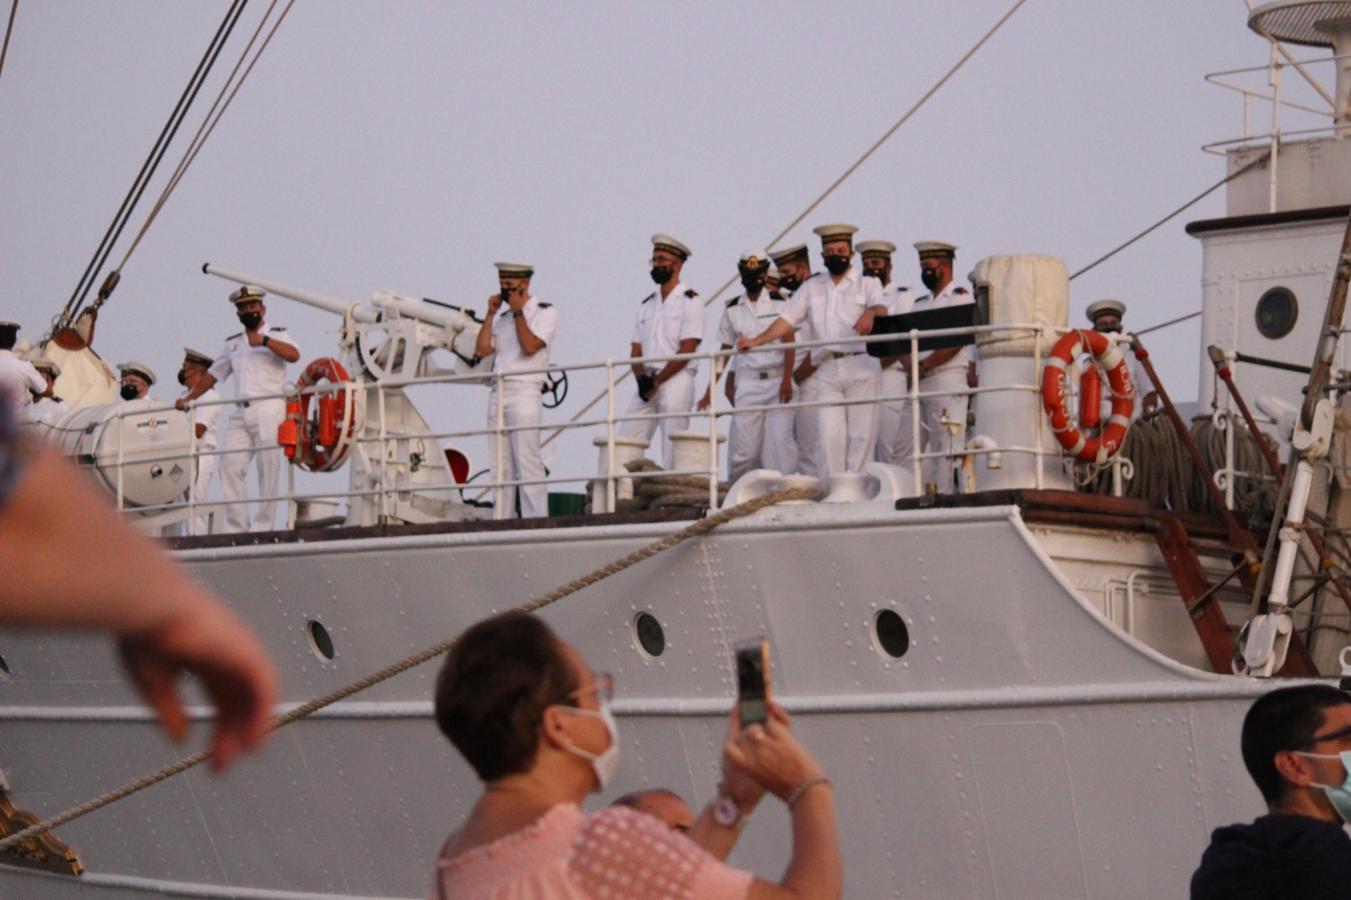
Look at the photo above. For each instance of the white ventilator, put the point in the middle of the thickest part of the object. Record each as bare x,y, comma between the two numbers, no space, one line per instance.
1024,290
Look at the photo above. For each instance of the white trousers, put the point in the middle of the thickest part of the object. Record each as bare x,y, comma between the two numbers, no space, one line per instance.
943,426
201,487
674,396
804,430
518,451
251,434
895,431
762,438
847,434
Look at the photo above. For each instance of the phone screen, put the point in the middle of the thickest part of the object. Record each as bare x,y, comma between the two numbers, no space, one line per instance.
752,679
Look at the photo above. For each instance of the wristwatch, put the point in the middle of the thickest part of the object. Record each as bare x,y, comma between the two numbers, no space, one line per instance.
726,813
265,340
517,313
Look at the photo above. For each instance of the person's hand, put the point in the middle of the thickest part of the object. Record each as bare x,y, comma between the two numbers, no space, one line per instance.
255,338
744,343
494,303
647,386
207,641
770,755
864,325
737,783
516,300
786,392
181,404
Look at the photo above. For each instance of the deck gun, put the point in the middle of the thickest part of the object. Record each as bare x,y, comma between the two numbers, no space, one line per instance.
388,341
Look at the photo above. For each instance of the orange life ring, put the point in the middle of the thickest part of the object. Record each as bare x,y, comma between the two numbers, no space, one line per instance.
320,444
1107,356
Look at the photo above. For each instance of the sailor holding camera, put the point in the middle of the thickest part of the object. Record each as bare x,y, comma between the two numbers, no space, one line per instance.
520,336
670,321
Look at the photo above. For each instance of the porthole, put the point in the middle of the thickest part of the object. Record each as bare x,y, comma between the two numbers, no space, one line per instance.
890,633
649,635
1276,313
321,642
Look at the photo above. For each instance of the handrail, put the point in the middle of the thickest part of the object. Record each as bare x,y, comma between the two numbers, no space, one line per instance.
499,432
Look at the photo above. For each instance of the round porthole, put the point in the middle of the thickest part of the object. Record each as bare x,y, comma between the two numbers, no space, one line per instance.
890,634
649,635
321,642
1277,311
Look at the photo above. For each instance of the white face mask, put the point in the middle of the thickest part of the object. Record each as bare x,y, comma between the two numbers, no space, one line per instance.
603,764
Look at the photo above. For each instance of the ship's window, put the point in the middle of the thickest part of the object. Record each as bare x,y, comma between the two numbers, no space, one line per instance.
321,642
1276,313
890,633
649,634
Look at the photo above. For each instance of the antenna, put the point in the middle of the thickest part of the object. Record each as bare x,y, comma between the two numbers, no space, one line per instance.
1314,23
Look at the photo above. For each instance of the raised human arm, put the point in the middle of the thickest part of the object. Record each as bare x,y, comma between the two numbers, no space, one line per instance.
165,622
779,329
530,342
204,384
287,351
483,345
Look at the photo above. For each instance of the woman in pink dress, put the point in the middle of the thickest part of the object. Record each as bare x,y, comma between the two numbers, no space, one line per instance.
534,722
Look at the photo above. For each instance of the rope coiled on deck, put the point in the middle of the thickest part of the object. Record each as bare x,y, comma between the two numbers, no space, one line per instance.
695,529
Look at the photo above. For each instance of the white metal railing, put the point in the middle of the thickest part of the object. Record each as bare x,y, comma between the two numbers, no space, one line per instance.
379,436
1274,135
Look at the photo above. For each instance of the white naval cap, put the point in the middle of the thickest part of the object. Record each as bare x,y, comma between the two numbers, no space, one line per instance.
772,275
1101,307
137,368
935,249
246,294
9,323
876,248
788,254
836,231
670,245
193,355
754,259
514,269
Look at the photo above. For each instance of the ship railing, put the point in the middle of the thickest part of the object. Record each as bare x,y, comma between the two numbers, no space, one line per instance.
612,421
1274,96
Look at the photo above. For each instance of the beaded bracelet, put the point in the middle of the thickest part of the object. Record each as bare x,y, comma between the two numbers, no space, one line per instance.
796,794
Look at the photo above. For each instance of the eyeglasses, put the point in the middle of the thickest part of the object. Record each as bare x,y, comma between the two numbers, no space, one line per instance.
603,687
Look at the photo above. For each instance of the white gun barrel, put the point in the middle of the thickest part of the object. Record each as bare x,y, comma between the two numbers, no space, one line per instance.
408,307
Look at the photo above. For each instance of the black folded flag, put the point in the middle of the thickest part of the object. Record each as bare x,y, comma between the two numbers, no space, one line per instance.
963,315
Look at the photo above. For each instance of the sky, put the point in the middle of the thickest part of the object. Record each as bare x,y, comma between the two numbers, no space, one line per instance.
408,145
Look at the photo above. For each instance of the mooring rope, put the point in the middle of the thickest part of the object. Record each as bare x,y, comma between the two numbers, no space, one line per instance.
695,529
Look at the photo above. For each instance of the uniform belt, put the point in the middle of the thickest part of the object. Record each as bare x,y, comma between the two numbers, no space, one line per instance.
837,354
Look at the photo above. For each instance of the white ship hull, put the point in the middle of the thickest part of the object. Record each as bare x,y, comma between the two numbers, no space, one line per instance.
1024,746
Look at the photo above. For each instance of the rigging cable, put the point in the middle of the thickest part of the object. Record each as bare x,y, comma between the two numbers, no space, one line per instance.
853,167
218,108
9,28
1174,214
152,161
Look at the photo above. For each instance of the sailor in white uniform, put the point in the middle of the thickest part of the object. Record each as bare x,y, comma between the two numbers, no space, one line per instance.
795,267
759,438
256,358
204,418
670,320
1106,316
520,335
944,372
137,380
839,304
19,381
46,408
895,440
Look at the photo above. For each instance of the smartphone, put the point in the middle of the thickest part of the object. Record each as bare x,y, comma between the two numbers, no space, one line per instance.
752,680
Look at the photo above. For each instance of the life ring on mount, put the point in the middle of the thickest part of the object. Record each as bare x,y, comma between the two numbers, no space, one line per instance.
1107,357
321,443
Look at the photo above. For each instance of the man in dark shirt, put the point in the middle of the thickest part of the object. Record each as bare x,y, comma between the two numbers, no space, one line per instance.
1297,747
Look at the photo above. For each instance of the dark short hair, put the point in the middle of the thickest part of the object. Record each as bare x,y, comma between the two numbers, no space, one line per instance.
1285,719
493,688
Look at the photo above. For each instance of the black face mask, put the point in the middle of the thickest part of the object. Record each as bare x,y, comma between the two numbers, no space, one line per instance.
129,392
1107,329
182,378
874,273
790,282
837,265
251,321
752,283
930,278
660,274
